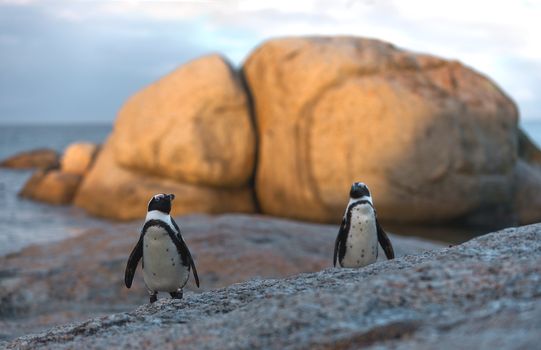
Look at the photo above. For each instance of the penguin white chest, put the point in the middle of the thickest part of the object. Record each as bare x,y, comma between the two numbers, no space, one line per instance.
362,239
162,265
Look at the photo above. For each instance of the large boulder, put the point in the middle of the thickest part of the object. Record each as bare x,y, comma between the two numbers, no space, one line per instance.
433,139
78,158
111,191
43,158
193,126
527,192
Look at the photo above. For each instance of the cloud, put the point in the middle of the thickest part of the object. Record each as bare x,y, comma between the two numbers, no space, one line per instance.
54,68
16,2
100,52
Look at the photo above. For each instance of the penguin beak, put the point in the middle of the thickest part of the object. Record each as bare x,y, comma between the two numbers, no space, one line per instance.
171,196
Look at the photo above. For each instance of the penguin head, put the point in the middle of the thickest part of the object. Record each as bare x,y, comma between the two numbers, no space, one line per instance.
359,190
161,202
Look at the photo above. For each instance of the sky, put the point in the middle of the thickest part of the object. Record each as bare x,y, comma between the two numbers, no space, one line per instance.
79,60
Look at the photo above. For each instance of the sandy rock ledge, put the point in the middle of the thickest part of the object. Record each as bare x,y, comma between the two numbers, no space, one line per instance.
483,294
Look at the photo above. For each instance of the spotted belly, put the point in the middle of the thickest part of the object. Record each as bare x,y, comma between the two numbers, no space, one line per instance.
163,270
362,239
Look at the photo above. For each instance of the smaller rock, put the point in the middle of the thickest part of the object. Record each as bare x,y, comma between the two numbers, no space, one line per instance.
527,189
54,187
78,158
527,149
32,184
42,158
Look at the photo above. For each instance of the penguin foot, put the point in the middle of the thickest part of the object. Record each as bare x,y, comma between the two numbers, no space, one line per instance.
153,297
177,295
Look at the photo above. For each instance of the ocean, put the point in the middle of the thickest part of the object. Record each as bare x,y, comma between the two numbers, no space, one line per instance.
24,222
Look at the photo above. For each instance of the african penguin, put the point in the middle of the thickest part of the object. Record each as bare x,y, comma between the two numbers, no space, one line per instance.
357,241
166,258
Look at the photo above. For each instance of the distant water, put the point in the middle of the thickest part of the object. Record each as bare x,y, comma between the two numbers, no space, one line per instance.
18,138
23,222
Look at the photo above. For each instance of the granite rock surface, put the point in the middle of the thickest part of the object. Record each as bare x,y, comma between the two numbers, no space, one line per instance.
483,294
82,277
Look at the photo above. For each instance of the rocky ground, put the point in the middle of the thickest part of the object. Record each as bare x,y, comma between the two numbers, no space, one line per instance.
82,277
483,294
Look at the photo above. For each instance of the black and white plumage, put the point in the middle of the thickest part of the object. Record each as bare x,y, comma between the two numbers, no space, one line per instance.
166,258
357,242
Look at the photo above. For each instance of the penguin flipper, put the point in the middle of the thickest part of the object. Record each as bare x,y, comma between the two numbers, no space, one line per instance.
385,242
133,261
194,270
183,249
340,242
